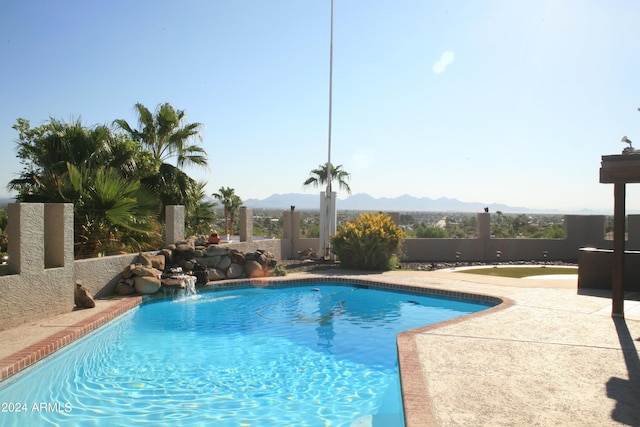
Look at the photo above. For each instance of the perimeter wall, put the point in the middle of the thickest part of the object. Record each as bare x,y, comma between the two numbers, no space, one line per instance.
580,231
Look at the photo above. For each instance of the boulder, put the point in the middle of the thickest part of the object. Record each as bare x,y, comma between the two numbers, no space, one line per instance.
82,298
234,271
216,251
187,264
185,250
167,252
212,261
265,258
156,261
215,274
237,257
200,240
261,258
128,271
172,282
307,254
123,288
147,284
254,269
208,261
140,270
200,273
224,263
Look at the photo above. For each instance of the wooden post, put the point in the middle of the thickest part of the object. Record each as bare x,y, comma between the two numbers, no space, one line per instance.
618,249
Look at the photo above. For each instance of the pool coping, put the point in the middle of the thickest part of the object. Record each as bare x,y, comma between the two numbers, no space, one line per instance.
415,396
418,411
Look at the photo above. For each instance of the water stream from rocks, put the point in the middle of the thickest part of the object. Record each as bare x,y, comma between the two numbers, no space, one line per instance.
190,286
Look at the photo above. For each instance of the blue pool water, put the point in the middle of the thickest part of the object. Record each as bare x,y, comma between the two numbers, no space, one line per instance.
321,355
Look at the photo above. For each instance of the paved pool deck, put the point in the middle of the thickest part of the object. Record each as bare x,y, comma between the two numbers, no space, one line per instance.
547,356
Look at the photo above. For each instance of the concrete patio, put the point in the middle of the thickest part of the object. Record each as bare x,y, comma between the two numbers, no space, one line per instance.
548,356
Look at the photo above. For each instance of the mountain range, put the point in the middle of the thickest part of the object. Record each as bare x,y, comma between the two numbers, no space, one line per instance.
404,203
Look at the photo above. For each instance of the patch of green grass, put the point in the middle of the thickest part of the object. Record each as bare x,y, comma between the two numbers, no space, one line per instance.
519,272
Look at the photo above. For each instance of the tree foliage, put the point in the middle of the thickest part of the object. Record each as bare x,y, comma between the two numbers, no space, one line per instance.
231,202
112,212
118,179
45,151
423,231
166,137
201,219
320,176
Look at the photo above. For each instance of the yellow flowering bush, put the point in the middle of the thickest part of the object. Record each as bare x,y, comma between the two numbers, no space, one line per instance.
368,243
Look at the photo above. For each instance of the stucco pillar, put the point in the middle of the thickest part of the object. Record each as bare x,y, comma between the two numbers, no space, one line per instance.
26,238
246,224
295,233
287,234
290,233
395,217
328,223
483,228
174,223
58,238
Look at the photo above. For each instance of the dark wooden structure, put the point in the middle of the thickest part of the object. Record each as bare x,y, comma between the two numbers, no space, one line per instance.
619,170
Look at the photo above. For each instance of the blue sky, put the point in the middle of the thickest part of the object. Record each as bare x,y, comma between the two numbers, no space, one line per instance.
507,101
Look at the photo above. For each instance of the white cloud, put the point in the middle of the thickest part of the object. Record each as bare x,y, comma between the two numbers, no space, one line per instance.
441,64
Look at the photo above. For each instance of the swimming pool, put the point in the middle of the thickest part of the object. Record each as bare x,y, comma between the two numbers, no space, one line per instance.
320,354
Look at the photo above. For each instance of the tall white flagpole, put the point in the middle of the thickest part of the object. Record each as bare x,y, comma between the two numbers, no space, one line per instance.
328,202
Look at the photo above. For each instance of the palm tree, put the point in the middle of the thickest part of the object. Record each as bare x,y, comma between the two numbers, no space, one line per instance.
319,177
46,150
200,217
163,135
226,197
166,137
99,172
112,211
235,204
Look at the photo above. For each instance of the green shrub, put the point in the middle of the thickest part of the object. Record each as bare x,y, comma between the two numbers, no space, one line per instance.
424,232
368,243
279,270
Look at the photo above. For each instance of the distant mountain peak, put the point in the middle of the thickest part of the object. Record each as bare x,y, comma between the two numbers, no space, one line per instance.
366,202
